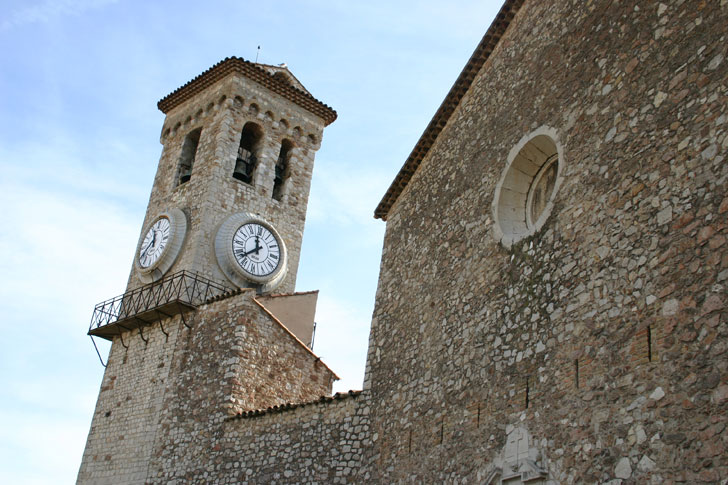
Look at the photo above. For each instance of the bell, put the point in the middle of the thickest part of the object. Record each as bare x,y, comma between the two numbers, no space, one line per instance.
185,174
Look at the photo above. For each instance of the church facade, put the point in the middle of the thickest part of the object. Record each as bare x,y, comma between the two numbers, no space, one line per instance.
566,215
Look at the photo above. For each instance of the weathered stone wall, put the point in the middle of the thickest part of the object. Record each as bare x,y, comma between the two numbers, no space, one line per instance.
626,281
267,366
320,442
167,399
236,358
124,423
212,194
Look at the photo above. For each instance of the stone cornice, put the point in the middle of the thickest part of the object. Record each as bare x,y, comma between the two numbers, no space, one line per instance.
253,72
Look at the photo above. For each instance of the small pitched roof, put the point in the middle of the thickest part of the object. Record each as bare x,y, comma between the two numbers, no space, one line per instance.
282,72
288,331
296,311
276,78
276,320
447,108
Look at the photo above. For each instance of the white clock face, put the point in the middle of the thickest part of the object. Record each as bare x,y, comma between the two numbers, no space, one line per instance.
154,242
256,249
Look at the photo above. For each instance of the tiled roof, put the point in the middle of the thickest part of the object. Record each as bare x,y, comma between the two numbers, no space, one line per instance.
227,294
291,79
251,71
289,406
230,293
295,293
451,101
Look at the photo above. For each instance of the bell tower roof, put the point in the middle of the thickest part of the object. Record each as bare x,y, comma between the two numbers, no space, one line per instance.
282,73
275,78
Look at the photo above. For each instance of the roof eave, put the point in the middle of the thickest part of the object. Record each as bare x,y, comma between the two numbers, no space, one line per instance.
449,104
253,72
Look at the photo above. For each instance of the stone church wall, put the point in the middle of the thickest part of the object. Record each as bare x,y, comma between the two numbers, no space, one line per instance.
592,351
605,334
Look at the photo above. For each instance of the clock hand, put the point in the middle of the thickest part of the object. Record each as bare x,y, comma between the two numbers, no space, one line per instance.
145,250
242,252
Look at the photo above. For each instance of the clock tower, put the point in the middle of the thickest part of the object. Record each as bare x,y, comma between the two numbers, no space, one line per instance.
238,139
209,324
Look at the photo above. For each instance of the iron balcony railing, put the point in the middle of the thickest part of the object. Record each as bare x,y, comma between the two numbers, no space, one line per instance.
175,294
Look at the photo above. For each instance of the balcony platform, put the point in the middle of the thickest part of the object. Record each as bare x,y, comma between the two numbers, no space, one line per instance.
174,295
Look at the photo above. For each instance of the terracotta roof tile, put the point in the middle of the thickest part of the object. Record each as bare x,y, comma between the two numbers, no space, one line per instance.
235,292
251,71
227,294
451,101
295,293
290,406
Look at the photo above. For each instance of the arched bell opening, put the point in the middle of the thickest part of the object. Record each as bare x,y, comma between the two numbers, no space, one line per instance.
187,157
247,160
282,169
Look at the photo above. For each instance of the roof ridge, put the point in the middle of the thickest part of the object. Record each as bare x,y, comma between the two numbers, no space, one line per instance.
279,408
294,293
235,292
227,294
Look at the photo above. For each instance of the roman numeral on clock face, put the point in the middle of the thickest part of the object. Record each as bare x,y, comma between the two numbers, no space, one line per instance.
154,243
256,249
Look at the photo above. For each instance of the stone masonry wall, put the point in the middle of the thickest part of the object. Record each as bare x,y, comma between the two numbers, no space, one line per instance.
271,367
320,442
599,344
605,334
120,442
235,358
163,403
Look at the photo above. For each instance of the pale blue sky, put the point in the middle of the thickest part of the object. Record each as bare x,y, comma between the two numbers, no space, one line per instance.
79,146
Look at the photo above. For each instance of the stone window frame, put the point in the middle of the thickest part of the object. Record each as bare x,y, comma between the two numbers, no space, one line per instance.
508,236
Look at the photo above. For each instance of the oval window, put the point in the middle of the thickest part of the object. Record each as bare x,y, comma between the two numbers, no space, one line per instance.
524,196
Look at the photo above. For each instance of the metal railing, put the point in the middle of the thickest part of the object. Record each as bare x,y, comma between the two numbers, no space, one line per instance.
184,288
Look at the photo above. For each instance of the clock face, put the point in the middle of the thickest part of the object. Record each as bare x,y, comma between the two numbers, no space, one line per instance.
250,252
256,249
154,242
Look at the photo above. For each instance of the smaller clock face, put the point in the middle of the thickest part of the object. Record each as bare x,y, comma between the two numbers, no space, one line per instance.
256,249
154,242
